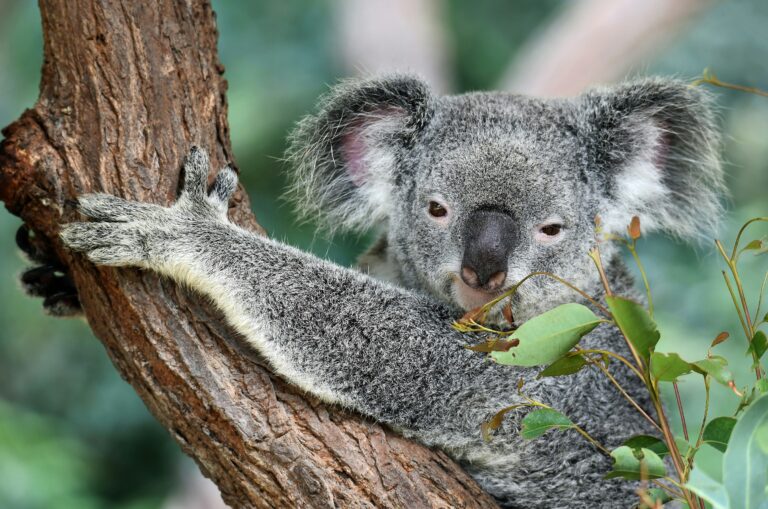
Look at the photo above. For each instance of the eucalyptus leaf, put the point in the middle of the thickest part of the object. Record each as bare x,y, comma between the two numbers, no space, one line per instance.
632,464
568,365
548,336
709,489
656,495
718,431
539,421
745,463
758,345
636,324
648,442
715,367
683,446
667,367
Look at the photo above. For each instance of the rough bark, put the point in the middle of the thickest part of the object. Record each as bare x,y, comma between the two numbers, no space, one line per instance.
126,88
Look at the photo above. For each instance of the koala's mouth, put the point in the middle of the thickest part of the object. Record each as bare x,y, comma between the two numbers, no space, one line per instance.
470,298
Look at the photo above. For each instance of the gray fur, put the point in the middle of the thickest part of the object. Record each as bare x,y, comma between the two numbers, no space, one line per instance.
386,349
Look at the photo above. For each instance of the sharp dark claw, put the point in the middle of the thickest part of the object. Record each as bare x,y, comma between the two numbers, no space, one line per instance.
31,245
62,304
46,280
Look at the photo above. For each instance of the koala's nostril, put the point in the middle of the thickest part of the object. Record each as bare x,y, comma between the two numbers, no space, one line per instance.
469,276
488,283
495,281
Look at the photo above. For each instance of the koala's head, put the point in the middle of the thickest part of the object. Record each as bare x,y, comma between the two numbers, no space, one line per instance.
476,191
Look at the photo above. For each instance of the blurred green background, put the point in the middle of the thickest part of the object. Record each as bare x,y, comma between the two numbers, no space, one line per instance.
73,434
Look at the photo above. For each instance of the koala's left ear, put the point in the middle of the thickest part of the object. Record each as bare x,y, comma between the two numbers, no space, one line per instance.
656,145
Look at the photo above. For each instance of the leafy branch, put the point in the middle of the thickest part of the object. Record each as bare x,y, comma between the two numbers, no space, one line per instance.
552,340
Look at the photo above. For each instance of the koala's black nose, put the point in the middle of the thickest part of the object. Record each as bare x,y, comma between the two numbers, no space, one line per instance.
489,237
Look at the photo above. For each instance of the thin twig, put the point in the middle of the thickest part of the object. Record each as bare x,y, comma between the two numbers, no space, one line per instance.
680,409
626,395
710,78
616,356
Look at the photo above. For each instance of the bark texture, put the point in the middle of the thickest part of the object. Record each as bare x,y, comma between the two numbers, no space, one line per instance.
126,88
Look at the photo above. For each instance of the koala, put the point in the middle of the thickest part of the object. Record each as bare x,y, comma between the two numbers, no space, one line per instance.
470,194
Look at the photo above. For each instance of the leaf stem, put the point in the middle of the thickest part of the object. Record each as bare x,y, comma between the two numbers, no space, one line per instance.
626,395
669,489
701,429
736,304
709,78
570,285
760,297
616,356
680,410
741,307
594,253
734,253
653,391
591,440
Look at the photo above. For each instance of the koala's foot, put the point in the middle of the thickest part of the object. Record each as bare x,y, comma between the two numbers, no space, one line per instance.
48,277
129,233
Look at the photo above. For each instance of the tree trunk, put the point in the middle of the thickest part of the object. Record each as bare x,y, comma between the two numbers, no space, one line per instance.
126,88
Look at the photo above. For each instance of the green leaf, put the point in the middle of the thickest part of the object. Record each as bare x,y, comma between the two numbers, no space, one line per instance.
636,324
762,385
538,422
718,431
648,442
709,489
745,463
656,494
667,367
636,464
568,365
754,245
715,367
548,336
683,446
758,345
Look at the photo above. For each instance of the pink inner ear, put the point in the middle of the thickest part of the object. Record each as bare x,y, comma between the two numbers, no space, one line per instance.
353,152
353,147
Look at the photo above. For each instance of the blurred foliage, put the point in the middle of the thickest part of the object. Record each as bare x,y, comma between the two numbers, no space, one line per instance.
72,433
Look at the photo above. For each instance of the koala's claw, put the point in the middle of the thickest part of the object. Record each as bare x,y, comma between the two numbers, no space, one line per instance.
132,233
48,278
63,304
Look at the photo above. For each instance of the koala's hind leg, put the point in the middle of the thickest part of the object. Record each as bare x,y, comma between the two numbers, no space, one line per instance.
48,278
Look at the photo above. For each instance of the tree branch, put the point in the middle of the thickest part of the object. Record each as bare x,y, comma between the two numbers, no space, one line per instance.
126,88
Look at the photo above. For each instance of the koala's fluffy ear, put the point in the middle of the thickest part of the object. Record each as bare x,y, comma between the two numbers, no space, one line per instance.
344,158
656,144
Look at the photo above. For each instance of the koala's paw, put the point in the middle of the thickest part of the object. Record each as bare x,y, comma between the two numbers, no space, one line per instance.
48,277
129,233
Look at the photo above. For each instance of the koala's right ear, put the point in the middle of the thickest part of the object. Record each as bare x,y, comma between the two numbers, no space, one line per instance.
344,159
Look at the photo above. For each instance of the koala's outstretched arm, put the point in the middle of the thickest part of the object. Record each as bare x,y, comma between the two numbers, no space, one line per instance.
338,334
349,339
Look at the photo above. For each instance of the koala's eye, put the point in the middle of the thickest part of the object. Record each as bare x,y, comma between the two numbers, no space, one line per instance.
436,210
551,230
